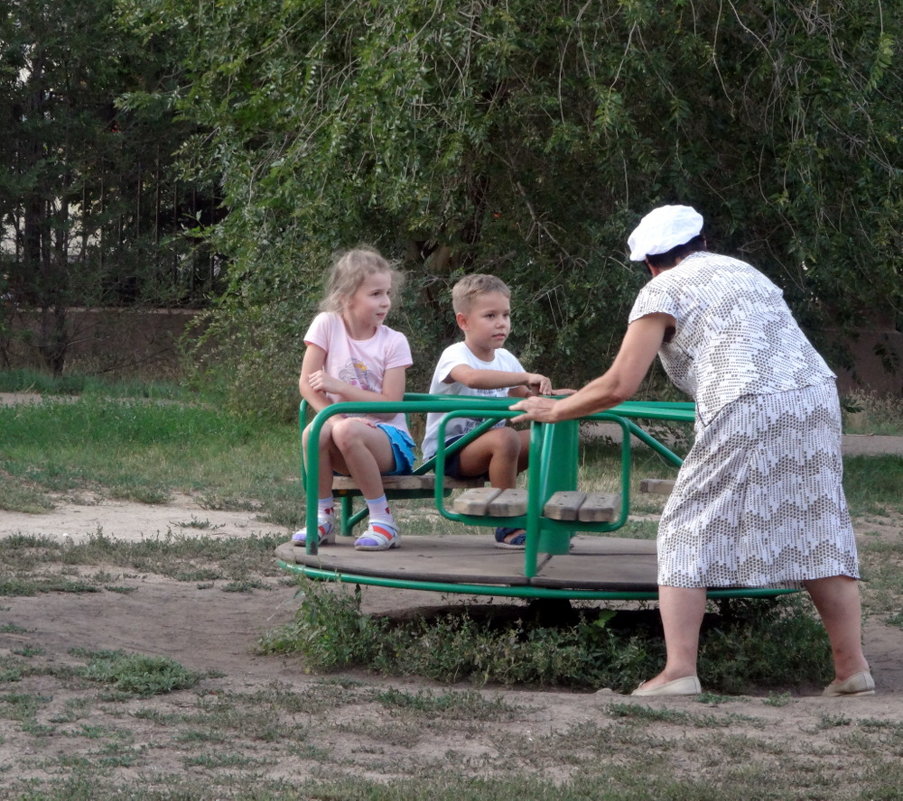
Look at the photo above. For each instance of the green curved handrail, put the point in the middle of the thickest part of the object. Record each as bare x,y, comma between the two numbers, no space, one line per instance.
494,409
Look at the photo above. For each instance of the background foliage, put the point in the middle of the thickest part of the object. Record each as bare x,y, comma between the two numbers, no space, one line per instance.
527,139
93,211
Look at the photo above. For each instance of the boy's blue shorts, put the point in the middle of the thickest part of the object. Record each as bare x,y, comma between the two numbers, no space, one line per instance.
402,449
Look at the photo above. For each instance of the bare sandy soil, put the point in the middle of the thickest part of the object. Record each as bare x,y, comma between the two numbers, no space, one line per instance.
208,629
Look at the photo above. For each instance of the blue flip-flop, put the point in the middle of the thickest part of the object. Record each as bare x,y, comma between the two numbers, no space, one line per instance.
517,543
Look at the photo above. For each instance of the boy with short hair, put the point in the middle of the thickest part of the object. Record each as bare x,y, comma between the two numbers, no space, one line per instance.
479,366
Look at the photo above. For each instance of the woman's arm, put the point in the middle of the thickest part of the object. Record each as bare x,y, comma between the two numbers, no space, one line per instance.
616,385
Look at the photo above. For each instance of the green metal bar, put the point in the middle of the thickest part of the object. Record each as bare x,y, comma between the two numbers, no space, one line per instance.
430,403
653,443
680,412
494,408
346,524
534,499
525,591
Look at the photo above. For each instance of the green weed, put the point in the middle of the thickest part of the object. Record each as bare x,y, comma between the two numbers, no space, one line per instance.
466,705
138,674
744,645
872,484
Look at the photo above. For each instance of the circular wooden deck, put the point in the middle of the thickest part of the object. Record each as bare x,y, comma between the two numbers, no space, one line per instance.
595,563
597,567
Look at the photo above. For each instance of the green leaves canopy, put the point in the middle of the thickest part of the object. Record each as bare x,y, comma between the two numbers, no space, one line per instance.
526,139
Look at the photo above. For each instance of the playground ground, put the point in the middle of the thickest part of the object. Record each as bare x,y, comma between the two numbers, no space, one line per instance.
549,734
259,719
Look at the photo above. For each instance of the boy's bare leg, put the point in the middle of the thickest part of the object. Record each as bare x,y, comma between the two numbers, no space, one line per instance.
523,457
502,453
364,452
497,452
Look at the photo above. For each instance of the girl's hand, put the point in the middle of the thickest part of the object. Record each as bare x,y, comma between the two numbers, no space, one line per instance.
321,381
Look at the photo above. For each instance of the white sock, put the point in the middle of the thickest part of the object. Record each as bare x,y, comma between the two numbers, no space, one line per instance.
379,511
326,507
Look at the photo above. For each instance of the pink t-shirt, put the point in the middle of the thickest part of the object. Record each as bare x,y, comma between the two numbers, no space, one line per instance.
360,362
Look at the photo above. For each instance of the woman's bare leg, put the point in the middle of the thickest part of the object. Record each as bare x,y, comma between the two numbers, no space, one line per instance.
837,600
681,609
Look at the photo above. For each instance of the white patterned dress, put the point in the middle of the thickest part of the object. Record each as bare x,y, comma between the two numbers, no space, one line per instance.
759,500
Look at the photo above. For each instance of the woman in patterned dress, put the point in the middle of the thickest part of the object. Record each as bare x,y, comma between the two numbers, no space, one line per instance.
758,501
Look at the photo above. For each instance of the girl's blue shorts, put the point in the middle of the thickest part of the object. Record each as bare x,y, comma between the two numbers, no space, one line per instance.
402,449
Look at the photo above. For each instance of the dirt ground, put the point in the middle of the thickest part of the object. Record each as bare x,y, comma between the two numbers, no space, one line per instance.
207,629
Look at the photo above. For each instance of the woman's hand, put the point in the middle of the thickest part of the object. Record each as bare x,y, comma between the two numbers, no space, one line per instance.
535,408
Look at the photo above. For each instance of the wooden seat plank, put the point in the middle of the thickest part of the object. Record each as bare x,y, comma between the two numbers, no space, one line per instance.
564,505
599,508
658,486
508,503
475,501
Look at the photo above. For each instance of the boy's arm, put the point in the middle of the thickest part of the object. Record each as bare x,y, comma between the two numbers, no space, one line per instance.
522,384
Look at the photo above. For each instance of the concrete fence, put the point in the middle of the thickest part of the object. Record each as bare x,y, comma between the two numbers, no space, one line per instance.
126,341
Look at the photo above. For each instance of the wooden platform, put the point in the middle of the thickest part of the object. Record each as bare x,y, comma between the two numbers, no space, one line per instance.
595,562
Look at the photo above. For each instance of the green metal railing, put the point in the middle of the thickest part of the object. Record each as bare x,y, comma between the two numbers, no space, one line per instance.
553,464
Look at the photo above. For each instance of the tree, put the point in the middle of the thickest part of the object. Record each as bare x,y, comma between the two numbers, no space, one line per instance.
91,199
526,139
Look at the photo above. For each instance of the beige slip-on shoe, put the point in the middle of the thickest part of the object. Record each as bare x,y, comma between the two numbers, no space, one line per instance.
860,683
688,685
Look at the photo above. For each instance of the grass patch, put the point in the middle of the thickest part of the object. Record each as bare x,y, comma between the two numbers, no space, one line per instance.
34,381
32,585
872,484
138,674
882,568
26,559
745,644
872,413
162,447
468,705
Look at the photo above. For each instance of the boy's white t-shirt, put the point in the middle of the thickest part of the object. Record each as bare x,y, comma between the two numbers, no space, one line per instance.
451,357
360,362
